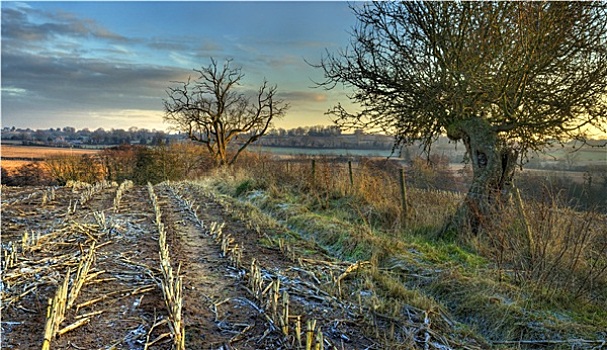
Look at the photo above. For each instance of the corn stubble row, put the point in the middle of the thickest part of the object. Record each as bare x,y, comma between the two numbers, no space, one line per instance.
277,303
171,283
22,275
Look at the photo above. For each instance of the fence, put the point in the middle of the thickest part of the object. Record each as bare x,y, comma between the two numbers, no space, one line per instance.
581,191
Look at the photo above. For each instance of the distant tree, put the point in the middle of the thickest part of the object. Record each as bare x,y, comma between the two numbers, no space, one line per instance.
98,136
211,110
504,78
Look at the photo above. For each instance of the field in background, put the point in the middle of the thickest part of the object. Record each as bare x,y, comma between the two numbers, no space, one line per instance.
14,156
293,151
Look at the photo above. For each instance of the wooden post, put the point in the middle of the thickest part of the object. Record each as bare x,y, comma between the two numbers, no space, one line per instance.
313,171
350,173
403,193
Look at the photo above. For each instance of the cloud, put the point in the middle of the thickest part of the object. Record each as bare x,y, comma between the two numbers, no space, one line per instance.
77,84
167,45
59,65
13,91
303,96
183,59
26,24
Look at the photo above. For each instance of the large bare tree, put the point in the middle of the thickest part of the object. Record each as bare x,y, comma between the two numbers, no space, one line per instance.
212,111
504,78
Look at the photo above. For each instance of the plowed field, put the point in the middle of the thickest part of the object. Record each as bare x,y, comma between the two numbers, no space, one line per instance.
236,292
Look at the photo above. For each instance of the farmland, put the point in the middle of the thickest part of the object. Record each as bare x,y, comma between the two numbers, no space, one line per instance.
233,261
287,252
241,287
15,156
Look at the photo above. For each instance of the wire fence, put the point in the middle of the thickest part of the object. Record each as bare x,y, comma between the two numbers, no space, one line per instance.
577,190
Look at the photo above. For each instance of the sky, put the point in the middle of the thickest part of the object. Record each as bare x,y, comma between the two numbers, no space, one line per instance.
109,64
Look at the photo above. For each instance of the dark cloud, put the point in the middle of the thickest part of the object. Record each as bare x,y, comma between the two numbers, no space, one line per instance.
18,24
71,82
46,69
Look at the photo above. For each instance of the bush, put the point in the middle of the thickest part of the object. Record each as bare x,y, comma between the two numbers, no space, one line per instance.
32,174
549,245
84,168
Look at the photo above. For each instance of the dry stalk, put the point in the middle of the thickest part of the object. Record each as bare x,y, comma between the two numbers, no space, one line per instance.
100,220
298,331
29,240
275,297
319,339
81,275
284,322
310,326
189,205
125,293
90,191
352,268
124,186
56,312
71,327
255,279
9,257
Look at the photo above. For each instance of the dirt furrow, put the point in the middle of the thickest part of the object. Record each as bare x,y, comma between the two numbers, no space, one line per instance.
217,310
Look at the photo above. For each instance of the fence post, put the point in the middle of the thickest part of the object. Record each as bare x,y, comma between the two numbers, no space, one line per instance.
403,193
313,171
350,173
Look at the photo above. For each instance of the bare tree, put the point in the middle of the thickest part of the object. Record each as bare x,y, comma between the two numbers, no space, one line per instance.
211,110
504,78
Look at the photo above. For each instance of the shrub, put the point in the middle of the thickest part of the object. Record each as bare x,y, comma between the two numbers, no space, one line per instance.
549,245
32,174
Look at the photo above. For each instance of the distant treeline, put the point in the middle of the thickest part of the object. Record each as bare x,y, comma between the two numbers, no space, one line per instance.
70,137
329,136
305,137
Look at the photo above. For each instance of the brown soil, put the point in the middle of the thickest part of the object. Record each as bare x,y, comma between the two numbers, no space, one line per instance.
122,300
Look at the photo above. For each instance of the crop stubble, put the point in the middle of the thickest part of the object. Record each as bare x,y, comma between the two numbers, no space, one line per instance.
118,301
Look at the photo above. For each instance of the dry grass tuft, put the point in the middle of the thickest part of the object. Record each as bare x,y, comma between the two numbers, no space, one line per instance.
534,259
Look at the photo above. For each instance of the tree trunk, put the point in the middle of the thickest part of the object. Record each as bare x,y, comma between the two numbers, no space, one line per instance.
493,167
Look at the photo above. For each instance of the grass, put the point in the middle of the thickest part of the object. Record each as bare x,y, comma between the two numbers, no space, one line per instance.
491,296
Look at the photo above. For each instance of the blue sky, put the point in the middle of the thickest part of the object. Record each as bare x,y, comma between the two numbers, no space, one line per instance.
108,64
